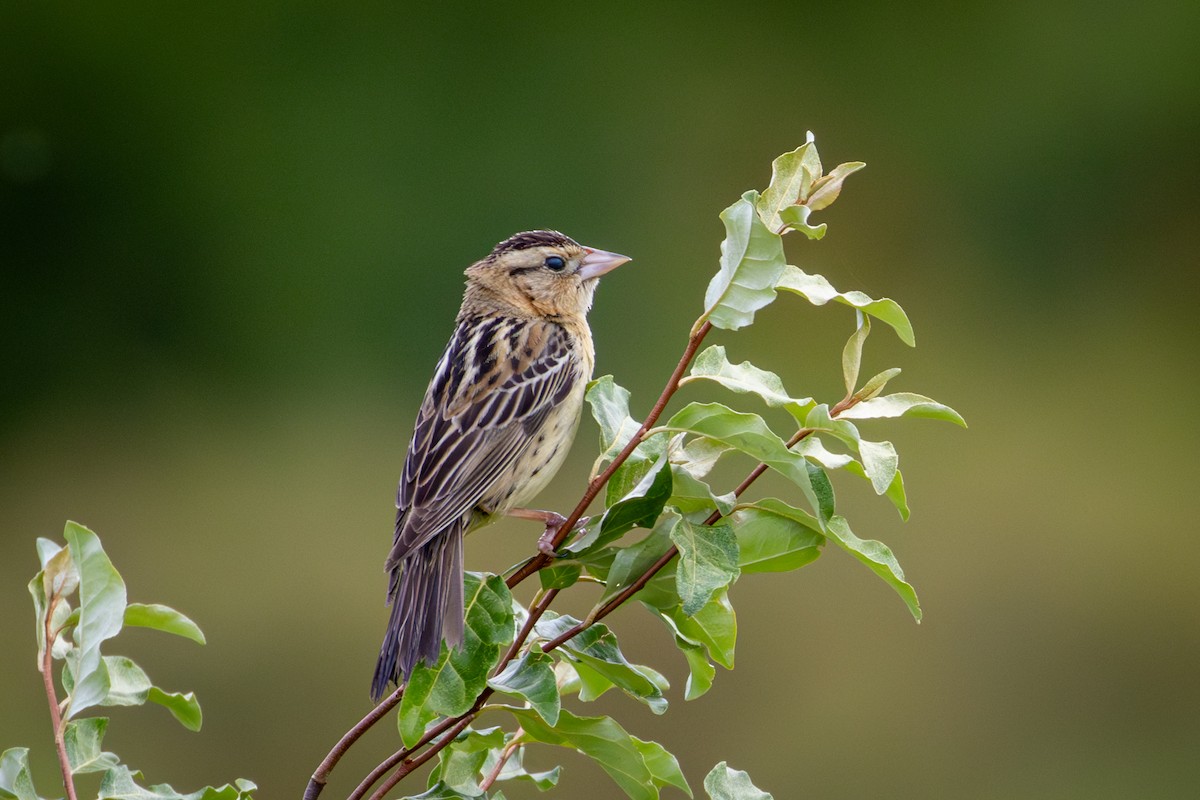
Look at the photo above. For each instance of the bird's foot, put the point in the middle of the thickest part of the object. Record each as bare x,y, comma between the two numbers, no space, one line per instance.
553,522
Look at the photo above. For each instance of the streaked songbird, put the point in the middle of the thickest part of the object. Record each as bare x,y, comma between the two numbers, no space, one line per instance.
496,423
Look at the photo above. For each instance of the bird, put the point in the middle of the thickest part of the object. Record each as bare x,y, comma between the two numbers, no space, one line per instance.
494,427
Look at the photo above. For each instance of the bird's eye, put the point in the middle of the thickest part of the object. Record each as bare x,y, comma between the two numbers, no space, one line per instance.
556,263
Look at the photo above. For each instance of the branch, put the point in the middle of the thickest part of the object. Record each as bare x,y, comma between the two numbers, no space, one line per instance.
594,486
408,766
500,762
47,670
319,778
529,568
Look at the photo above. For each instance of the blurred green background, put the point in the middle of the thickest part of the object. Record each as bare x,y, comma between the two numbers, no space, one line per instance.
232,239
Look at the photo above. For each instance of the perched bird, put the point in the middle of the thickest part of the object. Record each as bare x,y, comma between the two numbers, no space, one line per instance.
496,423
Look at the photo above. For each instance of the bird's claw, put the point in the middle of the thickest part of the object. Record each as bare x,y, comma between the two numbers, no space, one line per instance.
553,526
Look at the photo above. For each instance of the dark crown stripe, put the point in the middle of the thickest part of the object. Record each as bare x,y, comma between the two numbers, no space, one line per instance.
527,239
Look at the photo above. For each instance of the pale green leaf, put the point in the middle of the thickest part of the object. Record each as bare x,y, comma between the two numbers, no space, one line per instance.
708,561
531,677
796,219
162,618
60,578
120,783
775,537
101,613
874,386
852,352
714,626
827,189
792,176
725,783
745,378
690,495
878,557
752,260
514,770
16,781
82,740
640,768
596,647
747,433
902,404
818,291
183,706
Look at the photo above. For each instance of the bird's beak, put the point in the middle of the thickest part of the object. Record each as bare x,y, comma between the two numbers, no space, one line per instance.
598,262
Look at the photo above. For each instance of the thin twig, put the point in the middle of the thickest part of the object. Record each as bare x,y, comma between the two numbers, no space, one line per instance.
319,778
505,755
409,765
594,486
47,669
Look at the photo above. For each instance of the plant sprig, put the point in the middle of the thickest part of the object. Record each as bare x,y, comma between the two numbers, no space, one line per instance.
697,541
74,636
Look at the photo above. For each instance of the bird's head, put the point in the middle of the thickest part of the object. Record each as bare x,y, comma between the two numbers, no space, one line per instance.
540,274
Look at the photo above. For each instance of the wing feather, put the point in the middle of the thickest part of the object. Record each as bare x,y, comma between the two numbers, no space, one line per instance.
485,405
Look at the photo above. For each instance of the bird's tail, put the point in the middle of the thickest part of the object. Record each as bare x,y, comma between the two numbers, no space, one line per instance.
427,606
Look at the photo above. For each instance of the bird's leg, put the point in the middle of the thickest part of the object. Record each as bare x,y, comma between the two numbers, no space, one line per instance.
553,522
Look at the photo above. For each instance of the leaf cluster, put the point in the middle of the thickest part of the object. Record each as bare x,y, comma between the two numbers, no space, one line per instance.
80,604
667,536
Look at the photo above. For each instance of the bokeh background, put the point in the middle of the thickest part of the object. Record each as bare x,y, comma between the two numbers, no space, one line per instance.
231,244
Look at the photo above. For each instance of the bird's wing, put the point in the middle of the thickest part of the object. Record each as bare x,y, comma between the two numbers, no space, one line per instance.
494,387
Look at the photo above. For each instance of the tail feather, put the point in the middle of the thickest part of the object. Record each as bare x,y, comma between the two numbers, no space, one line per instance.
427,607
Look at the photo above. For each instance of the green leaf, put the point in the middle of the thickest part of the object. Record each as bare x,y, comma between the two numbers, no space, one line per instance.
596,647
775,537
514,769
639,768
745,378
818,291
874,386
610,408
698,455
792,177
129,685
451,685
827,189
101,612
878,557
879,459
16,781
47,549
162,618
747,433
724,783
60,578
440,791
700,671
632,562
714,627
82,740
902,404
638,509
460,764
708,561
560,574
895,493
796,219
690,495
852,353
120,783
752,260
183,706
531,677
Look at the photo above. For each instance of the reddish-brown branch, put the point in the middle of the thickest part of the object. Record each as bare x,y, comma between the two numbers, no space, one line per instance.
457,727
319,778
505,755
594,486
47,668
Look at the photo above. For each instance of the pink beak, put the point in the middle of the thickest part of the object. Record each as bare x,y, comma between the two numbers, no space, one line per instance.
599,262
